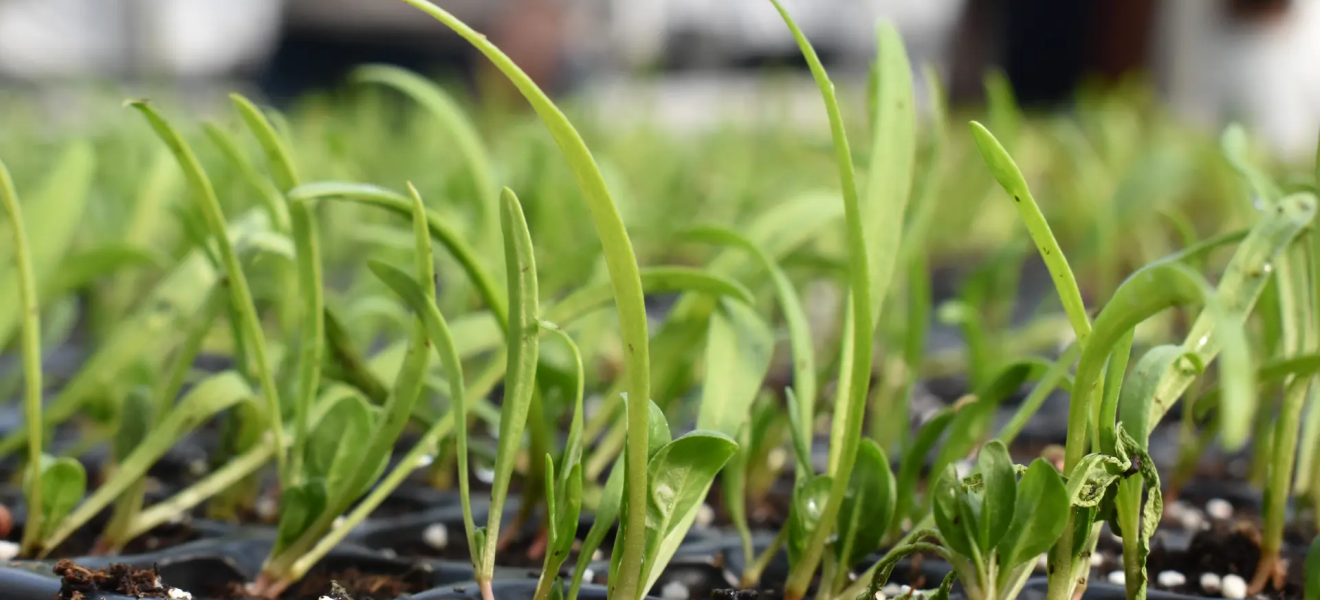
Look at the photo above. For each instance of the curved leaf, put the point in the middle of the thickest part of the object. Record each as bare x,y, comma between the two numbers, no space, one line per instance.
1039,516
523,338
63,482
739,345
277,153
1238,289
1010,178
619,258
998,494
953,516
249,323
680,474
440,230
799,331
300,506
804,515
460,129
868,508
334,447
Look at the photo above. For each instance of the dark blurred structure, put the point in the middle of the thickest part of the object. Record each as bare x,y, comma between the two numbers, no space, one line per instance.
1250,60
323,40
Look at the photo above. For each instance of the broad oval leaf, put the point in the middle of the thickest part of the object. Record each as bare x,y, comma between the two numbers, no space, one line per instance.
951,509
868,506
680,476
335,445
63,483
998,495
809,497
300,506
1039,516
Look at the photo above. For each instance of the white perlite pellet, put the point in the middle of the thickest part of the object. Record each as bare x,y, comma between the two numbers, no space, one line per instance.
1097,559
880,595
1219,508
675,590
588,575
1234,587
776,458
892,589
1117,578
267,508
1043,562
597,555
1210,582
8,550
705,515
178,594
1170,579
964,467
436,536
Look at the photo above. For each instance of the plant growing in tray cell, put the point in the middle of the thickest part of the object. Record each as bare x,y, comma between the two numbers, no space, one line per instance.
992,527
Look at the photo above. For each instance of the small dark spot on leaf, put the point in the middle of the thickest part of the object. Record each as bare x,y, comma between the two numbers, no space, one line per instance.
1016,199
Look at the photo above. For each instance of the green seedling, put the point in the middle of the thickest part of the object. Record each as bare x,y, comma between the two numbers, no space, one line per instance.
611,499
142,413
563,496
337,471
211,396
246,312
622,264
41,511
993,526
872,259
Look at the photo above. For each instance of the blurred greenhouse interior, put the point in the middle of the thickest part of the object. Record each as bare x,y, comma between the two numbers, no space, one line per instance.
695,62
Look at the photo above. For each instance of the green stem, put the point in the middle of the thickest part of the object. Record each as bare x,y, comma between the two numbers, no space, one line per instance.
31,340
219,480
752,574
1280,478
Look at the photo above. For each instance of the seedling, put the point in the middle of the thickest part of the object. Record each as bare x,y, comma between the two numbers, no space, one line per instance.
993,526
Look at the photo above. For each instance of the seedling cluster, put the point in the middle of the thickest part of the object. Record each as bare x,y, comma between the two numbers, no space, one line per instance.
341,384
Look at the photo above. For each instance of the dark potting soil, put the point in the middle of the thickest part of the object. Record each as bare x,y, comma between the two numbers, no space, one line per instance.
83,541
348,584
77,583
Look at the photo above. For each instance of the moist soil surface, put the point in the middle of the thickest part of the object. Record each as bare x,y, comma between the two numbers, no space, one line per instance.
77,583
349,584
